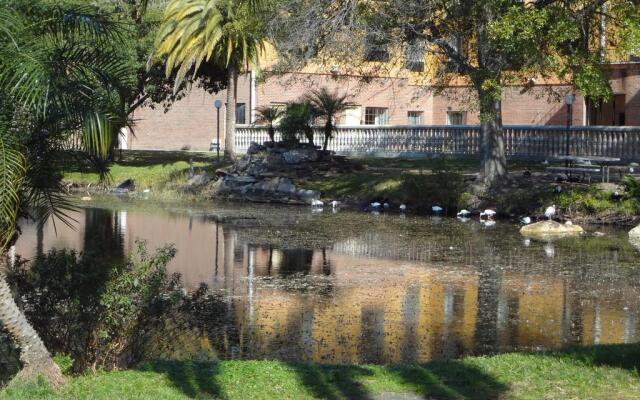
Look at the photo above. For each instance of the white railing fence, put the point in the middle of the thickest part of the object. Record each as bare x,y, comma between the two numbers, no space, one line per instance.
423,141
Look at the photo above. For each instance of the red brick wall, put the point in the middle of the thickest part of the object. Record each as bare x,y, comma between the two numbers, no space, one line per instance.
192,121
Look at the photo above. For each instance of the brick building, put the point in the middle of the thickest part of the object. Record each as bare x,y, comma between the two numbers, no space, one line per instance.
400,100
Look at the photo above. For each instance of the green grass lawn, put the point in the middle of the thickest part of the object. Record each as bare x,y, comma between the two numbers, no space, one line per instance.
604,372
155,170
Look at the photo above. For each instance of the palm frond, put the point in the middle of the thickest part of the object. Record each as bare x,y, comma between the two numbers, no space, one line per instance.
12,172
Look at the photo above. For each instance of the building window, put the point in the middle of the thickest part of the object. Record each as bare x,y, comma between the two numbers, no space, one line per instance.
376,116
375,48
414,56
456,117
414,118
241,114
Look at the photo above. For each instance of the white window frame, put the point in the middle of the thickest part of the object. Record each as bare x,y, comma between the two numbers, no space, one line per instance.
380,116
461,114
416,114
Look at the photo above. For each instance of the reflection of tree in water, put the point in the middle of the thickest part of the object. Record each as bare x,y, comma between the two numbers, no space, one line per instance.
296,261
371,345
104,233
489,288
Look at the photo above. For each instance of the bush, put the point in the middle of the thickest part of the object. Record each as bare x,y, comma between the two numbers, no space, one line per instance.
297,123
631,187
97,314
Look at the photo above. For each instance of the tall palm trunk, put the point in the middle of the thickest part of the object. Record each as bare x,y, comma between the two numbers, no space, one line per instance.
34,356
230,115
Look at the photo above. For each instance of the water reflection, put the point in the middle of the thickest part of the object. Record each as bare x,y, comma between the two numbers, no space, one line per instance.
402,293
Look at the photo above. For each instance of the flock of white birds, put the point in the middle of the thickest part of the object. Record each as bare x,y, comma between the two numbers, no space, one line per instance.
487,216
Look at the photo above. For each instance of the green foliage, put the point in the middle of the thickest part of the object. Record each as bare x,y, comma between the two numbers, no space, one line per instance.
93,311
327,106
61,84
226,32
12,171
269,115
65,362
297,122
631,187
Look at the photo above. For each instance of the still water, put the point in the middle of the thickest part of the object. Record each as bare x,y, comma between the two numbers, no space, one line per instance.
357,288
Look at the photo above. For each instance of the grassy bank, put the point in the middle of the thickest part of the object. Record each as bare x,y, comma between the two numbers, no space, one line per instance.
605,372
163,172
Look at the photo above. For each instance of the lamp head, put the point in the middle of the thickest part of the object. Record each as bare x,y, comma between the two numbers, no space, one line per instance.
218,104
568,99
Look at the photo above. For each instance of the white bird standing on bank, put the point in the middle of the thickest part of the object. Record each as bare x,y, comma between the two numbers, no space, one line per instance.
463,214
550,212
436,209
526,220
489,214
403,207
375,205
316,203
334,204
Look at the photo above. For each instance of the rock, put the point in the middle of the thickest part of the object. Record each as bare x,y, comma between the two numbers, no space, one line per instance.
550,229
243,163
255,148
286,186
274,161
125,187
198,180
298,156
634,237
242,180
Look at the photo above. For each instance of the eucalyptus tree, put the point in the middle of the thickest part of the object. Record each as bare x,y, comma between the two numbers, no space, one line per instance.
225,32
328,106
61,94
485,44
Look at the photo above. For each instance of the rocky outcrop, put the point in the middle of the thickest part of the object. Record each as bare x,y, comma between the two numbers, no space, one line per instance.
267,173
277,189
550,230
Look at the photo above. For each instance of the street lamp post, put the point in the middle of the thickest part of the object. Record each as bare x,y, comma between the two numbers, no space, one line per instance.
218,105
569,102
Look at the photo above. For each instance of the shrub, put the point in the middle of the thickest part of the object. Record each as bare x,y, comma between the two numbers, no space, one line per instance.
631,187
297,122
99,315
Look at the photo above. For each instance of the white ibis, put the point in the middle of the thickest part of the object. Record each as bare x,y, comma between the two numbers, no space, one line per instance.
375,205
316,203
550,212
386,206
489,214
436,209
334,204
557,189
463,214
526,220
403,207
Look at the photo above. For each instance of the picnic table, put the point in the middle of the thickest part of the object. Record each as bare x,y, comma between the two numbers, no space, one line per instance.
582,164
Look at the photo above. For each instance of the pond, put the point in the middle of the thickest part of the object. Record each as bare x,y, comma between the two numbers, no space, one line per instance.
360,288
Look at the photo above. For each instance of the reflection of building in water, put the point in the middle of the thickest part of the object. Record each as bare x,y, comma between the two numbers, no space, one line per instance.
375,298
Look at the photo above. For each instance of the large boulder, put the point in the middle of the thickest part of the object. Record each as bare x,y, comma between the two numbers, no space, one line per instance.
255,148
634,237
551,229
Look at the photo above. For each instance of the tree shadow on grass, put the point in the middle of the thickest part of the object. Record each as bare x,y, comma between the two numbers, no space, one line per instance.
194,379
334,382
436,380
625,356
449,380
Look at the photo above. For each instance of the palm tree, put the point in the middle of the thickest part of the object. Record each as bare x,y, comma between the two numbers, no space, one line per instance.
59,80
328,105
269,115
224,31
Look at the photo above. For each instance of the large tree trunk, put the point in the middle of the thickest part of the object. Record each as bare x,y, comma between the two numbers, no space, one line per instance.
493,157
34,356
230,115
